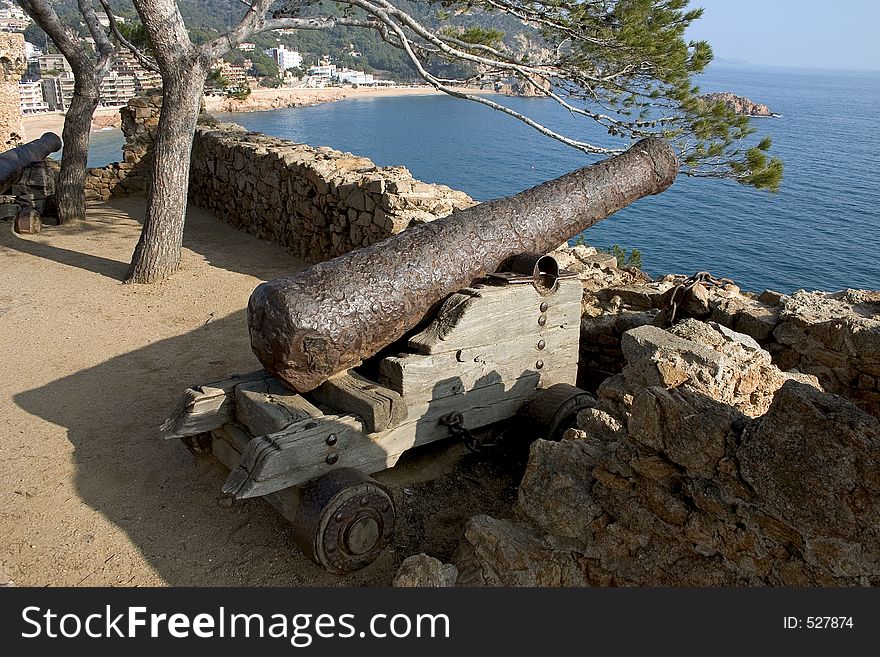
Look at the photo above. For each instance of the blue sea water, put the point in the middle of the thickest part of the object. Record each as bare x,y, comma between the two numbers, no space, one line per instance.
822,231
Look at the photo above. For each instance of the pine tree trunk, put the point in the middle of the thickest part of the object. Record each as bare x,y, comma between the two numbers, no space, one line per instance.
157,254
70,188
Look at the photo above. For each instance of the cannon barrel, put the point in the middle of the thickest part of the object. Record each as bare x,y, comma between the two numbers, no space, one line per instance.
306,327
16,159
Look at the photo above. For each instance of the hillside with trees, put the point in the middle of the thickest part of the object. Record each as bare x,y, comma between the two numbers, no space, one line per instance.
347,46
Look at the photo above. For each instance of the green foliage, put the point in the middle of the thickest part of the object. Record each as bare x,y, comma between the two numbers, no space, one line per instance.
215,80
238,93
631,258
475,35
134,32
627,65
262,65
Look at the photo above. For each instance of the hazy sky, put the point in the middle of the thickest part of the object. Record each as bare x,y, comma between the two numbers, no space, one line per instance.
844,34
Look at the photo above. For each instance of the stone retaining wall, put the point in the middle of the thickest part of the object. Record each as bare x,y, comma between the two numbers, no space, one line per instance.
316,202
140,118
834,336
12,65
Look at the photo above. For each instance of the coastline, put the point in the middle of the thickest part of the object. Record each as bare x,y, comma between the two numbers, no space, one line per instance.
269,99
259,100
36,124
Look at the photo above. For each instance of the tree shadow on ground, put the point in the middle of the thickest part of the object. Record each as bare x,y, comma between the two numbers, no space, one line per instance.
166,500
104,266
203,234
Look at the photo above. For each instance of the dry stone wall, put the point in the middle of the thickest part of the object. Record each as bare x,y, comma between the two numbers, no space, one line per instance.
316,202
12,65
834,336
140,119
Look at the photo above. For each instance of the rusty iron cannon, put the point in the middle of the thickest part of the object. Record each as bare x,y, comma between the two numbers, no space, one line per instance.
14,160
497,347
307,327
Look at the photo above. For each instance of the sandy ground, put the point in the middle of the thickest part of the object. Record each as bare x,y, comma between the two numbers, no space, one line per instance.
91,367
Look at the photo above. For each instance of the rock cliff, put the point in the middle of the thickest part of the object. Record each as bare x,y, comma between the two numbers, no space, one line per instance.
739,104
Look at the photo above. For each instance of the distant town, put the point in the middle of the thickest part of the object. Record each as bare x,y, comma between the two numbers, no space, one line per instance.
48,83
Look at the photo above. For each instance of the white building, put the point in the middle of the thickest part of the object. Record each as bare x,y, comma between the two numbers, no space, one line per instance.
105,21
347,76
285,58
12,10
323,70
31,52
12,18
30,96
246,46
117,88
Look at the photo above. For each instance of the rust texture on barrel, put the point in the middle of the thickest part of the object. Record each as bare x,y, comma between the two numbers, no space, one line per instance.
306,327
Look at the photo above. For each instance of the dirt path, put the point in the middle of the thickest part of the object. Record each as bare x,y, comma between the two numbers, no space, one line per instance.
91,367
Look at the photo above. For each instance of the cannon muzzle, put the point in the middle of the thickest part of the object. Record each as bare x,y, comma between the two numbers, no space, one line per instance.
16,159
307,327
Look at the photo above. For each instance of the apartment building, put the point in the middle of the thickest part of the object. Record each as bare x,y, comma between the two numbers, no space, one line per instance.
285,58
30,96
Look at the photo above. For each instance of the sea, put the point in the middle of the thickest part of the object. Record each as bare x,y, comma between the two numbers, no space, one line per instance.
820,232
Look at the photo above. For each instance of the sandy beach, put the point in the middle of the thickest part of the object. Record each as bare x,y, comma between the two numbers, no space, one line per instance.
259,100
36,124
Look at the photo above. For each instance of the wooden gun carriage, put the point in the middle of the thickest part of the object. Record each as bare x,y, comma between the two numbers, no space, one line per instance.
503,346
507,344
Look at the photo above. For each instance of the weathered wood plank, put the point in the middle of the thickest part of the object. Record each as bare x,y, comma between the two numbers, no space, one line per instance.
268,406
227,445
479,317
207,407
350,393
419,378
299,453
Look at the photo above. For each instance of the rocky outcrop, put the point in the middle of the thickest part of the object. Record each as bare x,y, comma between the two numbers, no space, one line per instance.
106,120
522,88
316,202
739,104
833,336
702,464
269,99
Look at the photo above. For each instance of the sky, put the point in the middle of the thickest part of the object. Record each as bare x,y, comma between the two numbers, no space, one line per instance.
843,34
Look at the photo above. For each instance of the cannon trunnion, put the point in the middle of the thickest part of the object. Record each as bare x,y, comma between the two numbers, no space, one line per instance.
507,343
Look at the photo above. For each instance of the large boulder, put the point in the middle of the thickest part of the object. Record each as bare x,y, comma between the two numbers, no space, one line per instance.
421,570
702,465
814,462
835,336
710,359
